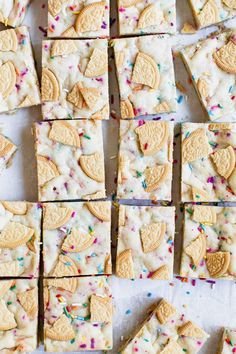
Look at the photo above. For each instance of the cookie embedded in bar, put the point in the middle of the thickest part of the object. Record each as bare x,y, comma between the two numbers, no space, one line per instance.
211,12
79,303
20,234
145,242
7,151
76,238
82,19
208,162
145,160
70,160
19,315
75,79
149,17
180,334
145,75
228,341
209,242
12,13
19,86
212,67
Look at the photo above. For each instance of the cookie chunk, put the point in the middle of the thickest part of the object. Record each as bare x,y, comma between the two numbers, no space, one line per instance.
78,19
228,342
208,162
12,13
75,79
70,160
145,75
20,233
145,242
7,150
209,242
168,332
212,66
211,12
146,17
76,239
18,315
145,160
19,85
78,314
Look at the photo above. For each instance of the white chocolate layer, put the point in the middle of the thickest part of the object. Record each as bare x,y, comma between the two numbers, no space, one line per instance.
88,335
165,17
72,182
136,218
219,96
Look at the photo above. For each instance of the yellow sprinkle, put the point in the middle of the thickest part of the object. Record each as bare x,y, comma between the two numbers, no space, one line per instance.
101,284
75,12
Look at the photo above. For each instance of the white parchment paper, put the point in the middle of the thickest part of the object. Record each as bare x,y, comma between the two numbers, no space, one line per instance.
210,305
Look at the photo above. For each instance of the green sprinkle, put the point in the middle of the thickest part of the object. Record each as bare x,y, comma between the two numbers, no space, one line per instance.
12,287
189,211
72,341
139,174
66,313
86,136
9,302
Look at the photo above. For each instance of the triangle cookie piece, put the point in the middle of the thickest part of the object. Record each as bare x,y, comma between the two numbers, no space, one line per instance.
101,309
29,301
152,236
197,249
224,160
7,320
152,137
55,217
77,241
65,267
61,330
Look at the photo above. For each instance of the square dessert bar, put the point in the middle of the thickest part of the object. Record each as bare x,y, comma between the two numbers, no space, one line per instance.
70,160
145,75
75,79
210,12
145,160
142,17
12,13
78,314
20,233
18,315
228,342
78,18
208,162
19,85
76,239
209,242
7,150
166,331
211,64
145,242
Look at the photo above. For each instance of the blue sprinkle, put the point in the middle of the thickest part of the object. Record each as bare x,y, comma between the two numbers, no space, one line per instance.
180,99
149,294
128,312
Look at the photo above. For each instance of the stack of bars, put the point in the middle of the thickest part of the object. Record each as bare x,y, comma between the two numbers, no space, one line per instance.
76,235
